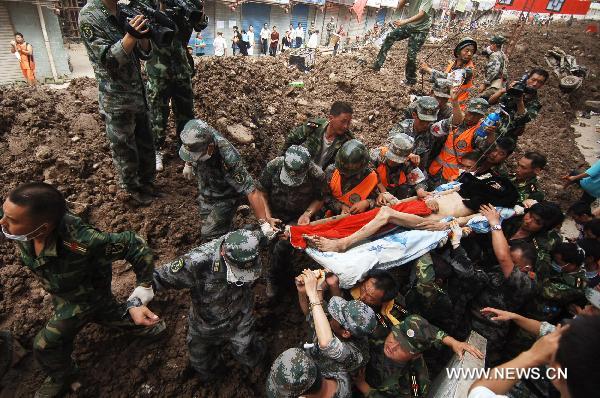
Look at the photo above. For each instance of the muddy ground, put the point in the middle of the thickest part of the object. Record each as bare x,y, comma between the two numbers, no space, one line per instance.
58,136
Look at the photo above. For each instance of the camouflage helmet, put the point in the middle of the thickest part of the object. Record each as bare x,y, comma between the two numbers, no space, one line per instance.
295,165
427,108
354,316
442,87
195,138
415,334
292,373
498,39
467,41
593,296
478,105
401,145
352,157
240,250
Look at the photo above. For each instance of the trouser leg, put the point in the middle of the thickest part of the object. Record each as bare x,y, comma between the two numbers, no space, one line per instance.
120,130
397,34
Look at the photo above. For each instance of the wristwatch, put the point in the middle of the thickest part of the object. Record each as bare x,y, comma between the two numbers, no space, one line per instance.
496,227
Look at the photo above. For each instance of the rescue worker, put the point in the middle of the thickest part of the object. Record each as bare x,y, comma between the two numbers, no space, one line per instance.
351,181
525,177
495,74
399,177
73,263
461,139
441,91
461,71
223,180
323,137
26,60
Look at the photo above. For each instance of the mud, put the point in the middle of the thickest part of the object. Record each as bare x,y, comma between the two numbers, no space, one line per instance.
58,137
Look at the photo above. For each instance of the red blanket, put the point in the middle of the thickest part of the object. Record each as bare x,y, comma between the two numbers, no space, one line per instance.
346,226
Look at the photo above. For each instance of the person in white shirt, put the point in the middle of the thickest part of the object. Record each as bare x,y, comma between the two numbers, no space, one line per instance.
299,35
219,45
251,40
313,40
265,35
293,36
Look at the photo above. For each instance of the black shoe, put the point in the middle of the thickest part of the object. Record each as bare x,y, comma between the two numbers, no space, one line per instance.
140,198
409,82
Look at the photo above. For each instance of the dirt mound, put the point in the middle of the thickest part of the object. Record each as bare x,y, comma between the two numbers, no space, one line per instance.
58,136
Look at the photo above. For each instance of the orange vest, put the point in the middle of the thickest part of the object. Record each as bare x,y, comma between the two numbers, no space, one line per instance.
382,172
362,190
26,60
463,97
454,149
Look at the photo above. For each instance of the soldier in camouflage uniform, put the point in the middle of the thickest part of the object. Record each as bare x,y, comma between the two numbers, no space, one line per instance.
398,176
293,188
525,177
73,262
223,180
323,137
115,56
521,108
220,275
352,183
295,374
340,345
169,81
399,369
421,127
415,29
495,73
441,92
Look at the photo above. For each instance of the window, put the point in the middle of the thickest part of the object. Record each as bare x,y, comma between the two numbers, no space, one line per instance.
555,5
505,2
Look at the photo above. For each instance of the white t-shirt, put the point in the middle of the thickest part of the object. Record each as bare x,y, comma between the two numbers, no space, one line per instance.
219,45
300,32
324,147
484,392
251,38
313,41
265,34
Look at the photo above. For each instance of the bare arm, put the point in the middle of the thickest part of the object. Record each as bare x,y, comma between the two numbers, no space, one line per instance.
315,297
257,205
499,243
531,326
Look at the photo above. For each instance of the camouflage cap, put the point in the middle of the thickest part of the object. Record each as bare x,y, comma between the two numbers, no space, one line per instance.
195,137
240,249
414,334
427,108
498,39
354,316
467,41
442,87
401,145
292,373
478,105
295,165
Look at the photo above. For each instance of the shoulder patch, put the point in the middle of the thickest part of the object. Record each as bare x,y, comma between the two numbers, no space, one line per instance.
75,247
177,266
87,32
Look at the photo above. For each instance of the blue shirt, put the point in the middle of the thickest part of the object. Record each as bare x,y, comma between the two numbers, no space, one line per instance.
591,184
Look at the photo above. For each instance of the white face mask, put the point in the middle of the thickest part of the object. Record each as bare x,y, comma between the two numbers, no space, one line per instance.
22,238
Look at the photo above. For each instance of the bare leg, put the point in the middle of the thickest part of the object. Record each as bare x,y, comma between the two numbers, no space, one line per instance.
385,216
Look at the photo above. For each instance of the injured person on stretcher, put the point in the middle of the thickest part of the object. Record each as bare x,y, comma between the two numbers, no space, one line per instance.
460,203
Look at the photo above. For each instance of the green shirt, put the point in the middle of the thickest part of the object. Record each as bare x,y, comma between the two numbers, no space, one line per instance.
528,189
75,265
413,9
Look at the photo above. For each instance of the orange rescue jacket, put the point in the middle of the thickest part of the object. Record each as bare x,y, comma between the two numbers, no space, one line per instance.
455,147
362,190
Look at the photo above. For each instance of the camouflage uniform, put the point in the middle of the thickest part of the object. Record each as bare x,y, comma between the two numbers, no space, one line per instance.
121,95
294,372
516,126
169,81
339,357
528,189
495,70
403,380
75,267
310,136
288,200
415,32
222,299
427,110
223,180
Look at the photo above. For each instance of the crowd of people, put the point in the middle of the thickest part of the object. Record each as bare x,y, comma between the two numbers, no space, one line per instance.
499,268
